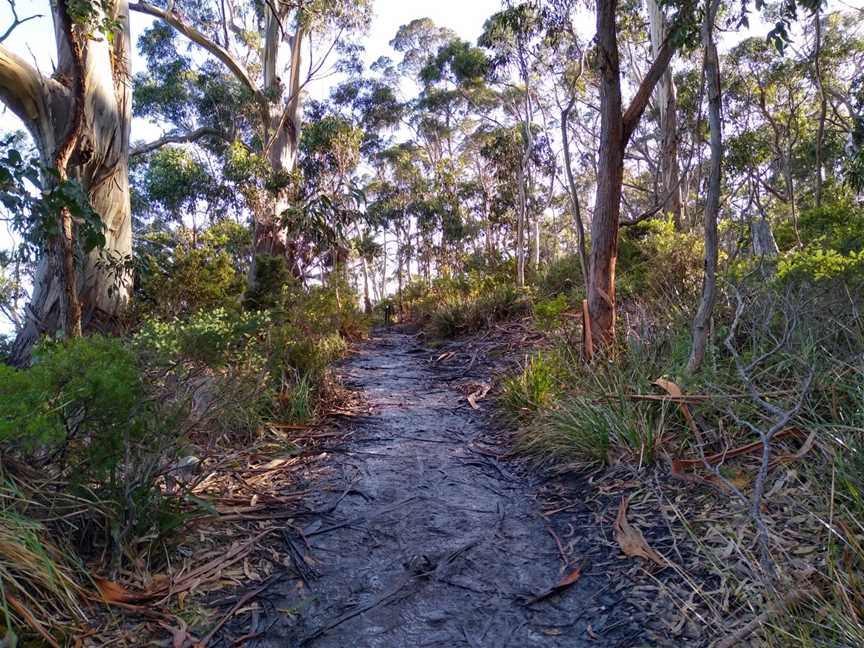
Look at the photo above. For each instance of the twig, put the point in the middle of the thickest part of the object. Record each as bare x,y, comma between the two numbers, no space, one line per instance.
354,613
240,603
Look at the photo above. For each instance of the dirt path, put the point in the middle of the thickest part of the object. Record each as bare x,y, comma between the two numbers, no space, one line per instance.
423,540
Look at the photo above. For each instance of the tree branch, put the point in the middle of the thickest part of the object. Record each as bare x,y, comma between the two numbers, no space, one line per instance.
179,138
16,21
24,90
237,69
655,72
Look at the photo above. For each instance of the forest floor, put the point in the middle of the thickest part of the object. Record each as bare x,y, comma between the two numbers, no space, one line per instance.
425,534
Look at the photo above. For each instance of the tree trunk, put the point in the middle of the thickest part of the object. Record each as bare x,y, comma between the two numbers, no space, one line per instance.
610,173
667,105
520,228
99,162
823,105
712,200
574,194
367,303
616,128
281,130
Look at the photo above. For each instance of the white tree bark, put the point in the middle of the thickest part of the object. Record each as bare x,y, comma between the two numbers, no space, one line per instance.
667,105
99,162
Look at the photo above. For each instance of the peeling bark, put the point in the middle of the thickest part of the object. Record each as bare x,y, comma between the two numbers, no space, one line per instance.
99,161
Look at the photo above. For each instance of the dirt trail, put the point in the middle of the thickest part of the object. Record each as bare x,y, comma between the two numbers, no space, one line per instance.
423,540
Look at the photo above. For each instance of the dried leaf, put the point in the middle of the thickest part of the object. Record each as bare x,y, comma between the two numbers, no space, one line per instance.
564,583
675,391
478,395
112,592
630,538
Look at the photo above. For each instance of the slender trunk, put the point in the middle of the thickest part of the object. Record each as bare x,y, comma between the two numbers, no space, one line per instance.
367,303
607,207
70,305
712,200
574,194
384,264
520,228
99,162
667,104
823,105
535,256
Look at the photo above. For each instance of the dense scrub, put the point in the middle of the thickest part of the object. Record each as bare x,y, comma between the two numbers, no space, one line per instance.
788,331
103,437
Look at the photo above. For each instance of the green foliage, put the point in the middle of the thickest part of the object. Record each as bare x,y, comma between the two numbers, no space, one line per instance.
271,275
298,405
465,303
33,196
87,389
657,262
535,386
181,273
264,363
582,430
175,181
834,244
547,312
84,401
562,277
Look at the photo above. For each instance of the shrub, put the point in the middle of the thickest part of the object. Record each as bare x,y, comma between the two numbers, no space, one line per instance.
562,276
271,275
83,406
181,273
547,312
660,264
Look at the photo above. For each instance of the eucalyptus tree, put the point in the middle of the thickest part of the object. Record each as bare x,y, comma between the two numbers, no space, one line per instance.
261,46
666,96
79,118
711,67
617,127
513,35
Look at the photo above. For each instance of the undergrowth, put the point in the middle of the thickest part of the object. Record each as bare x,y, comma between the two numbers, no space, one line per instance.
93,434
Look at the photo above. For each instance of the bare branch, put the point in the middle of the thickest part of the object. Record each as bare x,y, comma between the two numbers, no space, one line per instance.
180,138
16,21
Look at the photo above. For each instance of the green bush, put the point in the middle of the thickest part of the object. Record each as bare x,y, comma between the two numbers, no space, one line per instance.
88,390
563,276
833,238
259,364
271,275
659,264
83,406
181,273
465,303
